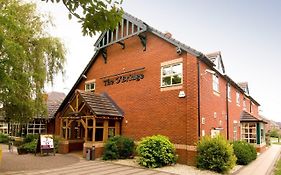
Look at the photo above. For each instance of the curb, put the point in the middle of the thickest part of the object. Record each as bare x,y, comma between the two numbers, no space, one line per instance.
272,165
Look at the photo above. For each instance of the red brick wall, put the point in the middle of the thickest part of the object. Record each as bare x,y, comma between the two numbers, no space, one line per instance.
212,102
147,110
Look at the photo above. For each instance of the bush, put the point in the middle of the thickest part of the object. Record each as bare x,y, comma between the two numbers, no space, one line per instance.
30,147
215,154
118,147
156,151
4,138
244,152
30,138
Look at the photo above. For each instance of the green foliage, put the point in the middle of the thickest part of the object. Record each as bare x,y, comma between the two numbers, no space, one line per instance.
4,138
274,133
156,151
215,154
56,140
244,152
95,16
30,146
29,58
118,147
277,170
30,137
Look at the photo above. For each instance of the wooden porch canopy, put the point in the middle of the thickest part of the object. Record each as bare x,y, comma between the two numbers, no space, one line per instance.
84,109
86,103
247,117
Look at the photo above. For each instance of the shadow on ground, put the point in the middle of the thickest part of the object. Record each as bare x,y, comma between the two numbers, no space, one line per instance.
11,161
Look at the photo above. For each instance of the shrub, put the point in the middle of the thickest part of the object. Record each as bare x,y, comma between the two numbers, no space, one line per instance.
156,151
4,138
30,146
30,137
118,147
244,152
215,154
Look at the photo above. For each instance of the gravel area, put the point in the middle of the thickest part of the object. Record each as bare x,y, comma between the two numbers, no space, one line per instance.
11,161
176,169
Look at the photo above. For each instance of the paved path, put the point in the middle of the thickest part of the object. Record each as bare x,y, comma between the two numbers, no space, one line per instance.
264,164
13,164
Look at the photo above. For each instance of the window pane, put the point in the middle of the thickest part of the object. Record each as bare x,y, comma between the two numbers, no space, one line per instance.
176,79
99,123
99,134
90,134
111,123
111,132
166,81
177,69
166,71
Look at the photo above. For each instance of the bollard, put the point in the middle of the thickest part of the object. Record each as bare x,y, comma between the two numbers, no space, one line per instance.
93,152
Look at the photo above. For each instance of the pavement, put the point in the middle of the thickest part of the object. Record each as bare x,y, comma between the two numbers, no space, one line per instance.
70,164
264,164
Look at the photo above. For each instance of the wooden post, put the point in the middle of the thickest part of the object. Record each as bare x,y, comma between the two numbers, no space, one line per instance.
61,127
77,103
105,130
94,129
117,127
86,131
66,129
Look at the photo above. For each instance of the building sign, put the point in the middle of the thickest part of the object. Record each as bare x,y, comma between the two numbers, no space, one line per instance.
46,142
123,79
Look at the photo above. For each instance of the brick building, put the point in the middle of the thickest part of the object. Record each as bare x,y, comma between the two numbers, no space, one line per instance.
142,82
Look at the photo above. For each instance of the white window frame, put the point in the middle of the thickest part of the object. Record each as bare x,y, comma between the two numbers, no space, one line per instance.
248,132
172,74
216,83
229,91
244,104
88,84
238,98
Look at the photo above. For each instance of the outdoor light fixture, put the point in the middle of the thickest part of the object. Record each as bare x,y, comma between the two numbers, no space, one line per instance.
210,71
84,76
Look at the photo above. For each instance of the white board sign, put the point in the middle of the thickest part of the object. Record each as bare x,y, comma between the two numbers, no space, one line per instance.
46,141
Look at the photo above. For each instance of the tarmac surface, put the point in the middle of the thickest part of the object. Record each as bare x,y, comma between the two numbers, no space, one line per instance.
71,164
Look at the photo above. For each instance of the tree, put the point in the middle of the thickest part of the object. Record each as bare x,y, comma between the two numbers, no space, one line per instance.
95,15
29,58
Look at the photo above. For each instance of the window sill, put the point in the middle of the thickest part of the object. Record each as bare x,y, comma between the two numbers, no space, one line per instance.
168,88
216,93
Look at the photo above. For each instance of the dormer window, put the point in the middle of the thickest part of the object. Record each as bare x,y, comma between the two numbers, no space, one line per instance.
90,86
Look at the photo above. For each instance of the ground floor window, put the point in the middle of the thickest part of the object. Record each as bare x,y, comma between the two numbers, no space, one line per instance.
3,127
99,130
36,127
249,132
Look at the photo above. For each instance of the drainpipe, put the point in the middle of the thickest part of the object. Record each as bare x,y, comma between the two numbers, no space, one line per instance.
227,113
198,107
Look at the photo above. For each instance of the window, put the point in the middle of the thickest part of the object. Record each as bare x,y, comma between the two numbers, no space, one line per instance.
229,91
244,104
171,74
216,83
111,128
237,98
90,86
249,132
99,131
235,133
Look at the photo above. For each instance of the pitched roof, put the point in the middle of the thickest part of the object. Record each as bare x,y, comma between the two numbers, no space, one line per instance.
100,104
246,117
107,38
54,100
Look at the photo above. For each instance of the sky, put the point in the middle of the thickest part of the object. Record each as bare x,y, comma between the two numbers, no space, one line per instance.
248,34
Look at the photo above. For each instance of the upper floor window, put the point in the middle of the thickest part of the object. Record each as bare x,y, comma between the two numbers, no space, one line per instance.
171,75
216,83
244,104
90,86
229,91
237,98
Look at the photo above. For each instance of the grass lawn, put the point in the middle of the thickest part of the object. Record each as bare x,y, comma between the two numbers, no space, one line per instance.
278,168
